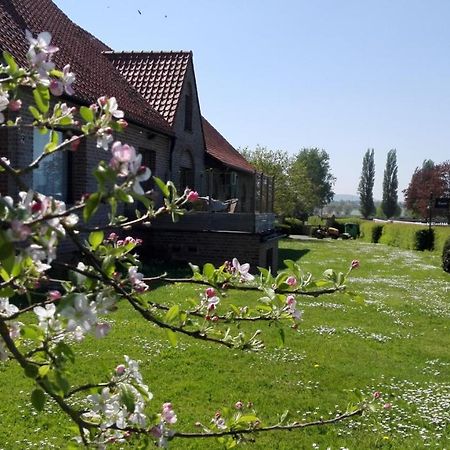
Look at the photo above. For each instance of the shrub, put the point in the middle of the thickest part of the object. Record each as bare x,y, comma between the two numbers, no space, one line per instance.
371,231
296,225
446,256
424,239
441,236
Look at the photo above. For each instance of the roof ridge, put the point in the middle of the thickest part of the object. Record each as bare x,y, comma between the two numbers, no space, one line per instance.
147,52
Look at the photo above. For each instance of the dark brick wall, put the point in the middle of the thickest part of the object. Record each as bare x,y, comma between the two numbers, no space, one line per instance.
201,247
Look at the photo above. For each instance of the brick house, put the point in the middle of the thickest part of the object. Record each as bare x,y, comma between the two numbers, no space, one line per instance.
96,76
158,93
203,159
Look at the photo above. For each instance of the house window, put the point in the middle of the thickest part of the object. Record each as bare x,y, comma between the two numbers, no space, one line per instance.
51,177
187,172
188,108
148,160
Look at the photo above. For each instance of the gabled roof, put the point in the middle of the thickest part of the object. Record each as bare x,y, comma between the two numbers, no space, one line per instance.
96,76
220,149
157,76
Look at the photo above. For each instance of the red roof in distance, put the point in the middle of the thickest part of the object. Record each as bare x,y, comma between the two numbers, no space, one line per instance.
219,148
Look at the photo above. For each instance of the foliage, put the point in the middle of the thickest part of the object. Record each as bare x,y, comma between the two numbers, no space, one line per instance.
274,163
427,183
446,256
303,182
389,204
313,165
370,231
45,337
365,188
392,338
424,239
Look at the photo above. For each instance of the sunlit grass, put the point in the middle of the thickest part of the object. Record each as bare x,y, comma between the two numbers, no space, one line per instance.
395,339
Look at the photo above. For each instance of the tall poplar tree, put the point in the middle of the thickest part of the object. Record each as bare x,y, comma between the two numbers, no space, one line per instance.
365,188
389,204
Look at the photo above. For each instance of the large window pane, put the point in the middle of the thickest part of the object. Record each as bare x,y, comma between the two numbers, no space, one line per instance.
51,176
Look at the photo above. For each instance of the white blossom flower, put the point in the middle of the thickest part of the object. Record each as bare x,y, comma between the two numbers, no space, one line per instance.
82,314
242,270
6,309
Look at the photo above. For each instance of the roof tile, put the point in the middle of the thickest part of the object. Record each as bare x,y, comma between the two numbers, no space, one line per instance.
157,76
219,148
96,76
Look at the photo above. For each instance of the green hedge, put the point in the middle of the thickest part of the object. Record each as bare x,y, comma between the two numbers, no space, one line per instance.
414,237
441,234
446,256
405,235
370,231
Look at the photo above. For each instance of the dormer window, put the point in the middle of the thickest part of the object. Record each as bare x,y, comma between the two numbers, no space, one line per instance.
188,108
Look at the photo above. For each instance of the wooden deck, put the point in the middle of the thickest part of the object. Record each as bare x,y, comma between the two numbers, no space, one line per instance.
218,221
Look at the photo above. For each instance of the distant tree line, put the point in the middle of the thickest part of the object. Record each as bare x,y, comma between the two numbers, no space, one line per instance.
303,182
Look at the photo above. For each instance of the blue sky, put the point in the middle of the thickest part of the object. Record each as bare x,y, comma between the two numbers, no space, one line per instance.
341,75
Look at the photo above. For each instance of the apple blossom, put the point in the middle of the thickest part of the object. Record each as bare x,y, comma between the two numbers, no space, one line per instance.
6,309
241,270
291,281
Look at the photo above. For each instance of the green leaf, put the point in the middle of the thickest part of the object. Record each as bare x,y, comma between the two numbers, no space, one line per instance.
7,253
281,337
9,59
42,98
64,121
92,205
87,114
172,337
35,113
43,370
127,398
38,399
162,186
208,270
173,312
32,332
96,238
31,371
195,269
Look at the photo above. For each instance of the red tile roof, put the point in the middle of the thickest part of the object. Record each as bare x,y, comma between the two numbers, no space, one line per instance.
157,76
219,148
96,76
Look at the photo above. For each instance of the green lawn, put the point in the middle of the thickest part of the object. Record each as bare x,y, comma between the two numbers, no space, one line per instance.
395,339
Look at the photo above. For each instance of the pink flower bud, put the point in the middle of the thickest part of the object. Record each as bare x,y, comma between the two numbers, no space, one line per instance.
387,406
120,243
290,300
291,281
129,240
15,105
238,405
54,295
376,394
192,196
74,144
103,100
122,123
355,264
36,206
210,292
215,319
120,369
138,241
112,237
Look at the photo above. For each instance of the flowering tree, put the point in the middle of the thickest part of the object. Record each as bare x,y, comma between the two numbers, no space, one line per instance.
33,226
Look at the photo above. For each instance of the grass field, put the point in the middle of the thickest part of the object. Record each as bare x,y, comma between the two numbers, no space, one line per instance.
394,339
